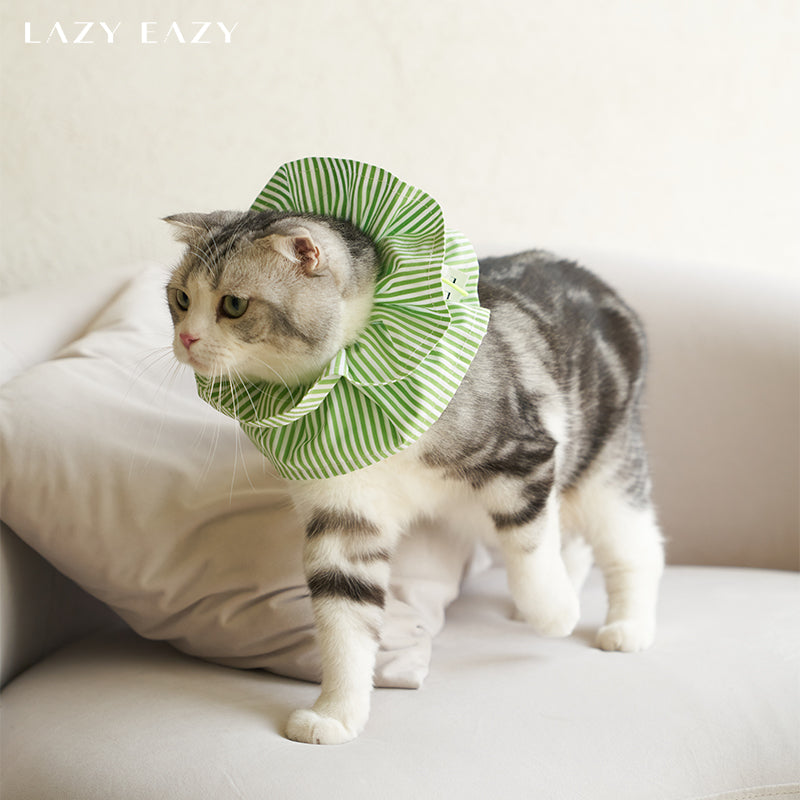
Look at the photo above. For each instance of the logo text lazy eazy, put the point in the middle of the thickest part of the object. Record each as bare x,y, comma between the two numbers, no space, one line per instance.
147,32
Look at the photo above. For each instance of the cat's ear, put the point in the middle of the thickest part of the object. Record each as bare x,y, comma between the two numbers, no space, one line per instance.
190,227
298,247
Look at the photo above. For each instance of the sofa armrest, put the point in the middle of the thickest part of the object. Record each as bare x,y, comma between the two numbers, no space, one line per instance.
40,609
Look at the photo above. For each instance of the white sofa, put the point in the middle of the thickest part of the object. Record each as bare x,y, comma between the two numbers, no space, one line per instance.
92,710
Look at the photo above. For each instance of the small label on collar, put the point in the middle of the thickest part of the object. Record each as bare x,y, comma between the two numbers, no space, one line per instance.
455,283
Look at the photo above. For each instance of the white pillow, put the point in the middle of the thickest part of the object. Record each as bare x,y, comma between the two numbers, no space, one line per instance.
118,474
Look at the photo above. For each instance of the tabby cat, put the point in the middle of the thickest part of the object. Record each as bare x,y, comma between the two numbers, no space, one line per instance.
544,433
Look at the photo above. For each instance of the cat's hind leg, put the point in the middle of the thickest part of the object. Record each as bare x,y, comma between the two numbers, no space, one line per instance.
622,530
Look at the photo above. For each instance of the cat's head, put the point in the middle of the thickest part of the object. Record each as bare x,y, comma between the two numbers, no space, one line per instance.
268,295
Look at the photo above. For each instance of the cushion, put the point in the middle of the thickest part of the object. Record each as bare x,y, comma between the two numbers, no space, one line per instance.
126,481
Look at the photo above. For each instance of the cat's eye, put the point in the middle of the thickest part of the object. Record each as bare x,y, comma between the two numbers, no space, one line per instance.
182,299
233,307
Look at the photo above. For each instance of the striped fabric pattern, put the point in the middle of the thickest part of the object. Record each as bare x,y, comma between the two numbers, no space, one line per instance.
380,394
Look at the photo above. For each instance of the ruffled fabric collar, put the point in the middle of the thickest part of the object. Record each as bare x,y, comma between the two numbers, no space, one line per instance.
382,392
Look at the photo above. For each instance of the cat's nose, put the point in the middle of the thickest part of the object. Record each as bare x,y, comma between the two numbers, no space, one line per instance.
188,340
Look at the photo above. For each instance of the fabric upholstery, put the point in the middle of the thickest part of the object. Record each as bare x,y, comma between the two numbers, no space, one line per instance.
712,707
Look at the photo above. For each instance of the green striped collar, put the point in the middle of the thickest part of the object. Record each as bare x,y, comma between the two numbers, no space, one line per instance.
381,393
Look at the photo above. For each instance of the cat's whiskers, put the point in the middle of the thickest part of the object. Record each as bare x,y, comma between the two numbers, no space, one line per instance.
280,378
152,360
163,388
239,452
215,439
244,382
295,376
217,436
202,434
148,361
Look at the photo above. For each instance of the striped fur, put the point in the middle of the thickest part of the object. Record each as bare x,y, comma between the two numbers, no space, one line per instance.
543,436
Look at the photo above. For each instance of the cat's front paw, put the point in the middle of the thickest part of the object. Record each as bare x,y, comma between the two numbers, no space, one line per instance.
626,636
306,725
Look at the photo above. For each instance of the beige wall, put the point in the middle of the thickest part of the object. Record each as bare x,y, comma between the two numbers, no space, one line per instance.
665,128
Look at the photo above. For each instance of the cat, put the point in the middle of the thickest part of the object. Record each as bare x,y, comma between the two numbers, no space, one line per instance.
544,433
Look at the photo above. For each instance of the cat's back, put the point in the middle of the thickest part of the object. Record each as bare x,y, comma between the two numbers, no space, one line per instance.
579,326
562,361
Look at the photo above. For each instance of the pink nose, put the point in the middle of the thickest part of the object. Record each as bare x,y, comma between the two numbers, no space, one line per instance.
188,340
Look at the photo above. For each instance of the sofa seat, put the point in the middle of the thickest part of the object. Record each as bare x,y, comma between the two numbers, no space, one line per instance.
711,708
